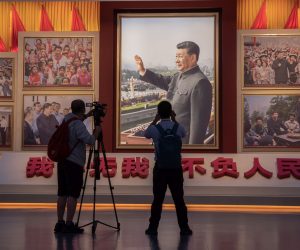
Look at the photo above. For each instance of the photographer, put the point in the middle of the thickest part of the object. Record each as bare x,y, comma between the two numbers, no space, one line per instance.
167,171
70,170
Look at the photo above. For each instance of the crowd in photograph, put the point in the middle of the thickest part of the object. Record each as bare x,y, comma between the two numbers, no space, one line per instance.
266,133
271,64
40,122
5,77
140,99
58,62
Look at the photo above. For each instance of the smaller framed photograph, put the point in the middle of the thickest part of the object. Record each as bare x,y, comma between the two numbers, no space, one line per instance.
269,59
41,115
271,122
6,127
7,76
59,60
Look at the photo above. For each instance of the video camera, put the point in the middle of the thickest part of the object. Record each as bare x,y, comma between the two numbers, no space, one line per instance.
98,112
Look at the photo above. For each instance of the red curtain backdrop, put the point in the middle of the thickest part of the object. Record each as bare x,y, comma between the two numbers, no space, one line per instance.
77,23
260,21
292,22
2,46
45,24
17,26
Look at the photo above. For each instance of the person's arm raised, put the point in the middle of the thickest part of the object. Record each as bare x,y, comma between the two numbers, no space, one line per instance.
139,65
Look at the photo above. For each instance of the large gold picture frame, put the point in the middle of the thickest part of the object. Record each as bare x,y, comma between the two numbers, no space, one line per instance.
154,37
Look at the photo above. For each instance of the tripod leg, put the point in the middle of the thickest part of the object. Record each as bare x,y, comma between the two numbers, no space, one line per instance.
110,186
94,227
96,176
84,184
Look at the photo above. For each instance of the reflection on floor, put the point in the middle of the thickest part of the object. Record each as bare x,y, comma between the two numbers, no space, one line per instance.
31,229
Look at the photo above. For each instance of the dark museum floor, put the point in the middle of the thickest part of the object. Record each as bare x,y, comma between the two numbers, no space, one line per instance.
31,229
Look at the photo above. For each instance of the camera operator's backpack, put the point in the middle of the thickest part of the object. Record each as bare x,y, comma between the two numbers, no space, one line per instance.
58,146
168,148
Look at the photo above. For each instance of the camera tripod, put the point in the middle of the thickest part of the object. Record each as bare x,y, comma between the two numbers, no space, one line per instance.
96,160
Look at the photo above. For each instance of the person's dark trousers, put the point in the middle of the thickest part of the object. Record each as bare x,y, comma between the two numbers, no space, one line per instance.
174,179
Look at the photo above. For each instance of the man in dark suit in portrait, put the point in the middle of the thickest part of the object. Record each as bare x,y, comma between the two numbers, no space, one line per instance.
189,91
248,79
29,138
280,66
46,123
276,125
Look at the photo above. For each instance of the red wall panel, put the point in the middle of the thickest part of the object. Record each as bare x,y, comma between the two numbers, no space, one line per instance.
227,60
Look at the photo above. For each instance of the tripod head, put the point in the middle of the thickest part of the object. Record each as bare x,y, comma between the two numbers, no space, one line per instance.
98,112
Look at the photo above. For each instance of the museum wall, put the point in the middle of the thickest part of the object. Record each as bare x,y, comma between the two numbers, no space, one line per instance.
221,166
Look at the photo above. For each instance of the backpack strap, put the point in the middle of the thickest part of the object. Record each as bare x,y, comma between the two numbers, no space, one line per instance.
162,131
70,120
67,123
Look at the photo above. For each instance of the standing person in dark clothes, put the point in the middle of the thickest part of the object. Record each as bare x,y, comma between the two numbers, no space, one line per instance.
3,130
292,64
46,124
37,110
164,176
70,170
280,66
247,71
29,138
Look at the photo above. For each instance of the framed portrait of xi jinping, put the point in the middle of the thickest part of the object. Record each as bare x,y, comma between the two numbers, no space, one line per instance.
59,60
164,56
42,113
271,122
7,76
269,59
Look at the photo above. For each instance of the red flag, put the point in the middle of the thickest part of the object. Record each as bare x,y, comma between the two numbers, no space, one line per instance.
260,21
2,46
77,23
45,24
292,22
17,26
